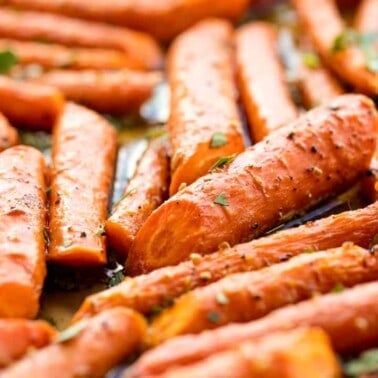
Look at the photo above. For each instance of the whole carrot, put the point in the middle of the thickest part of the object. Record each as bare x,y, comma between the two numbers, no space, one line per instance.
8,134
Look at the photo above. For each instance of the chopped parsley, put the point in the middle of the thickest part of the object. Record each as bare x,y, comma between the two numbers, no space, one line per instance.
339,288
221,200
311,60
71,332
67,243
222,162
7,61
218,140
365,363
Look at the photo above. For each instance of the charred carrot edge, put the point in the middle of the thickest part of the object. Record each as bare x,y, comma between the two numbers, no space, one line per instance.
17,336
116,92
264,91
80,186
30,105
150,292
8,134
324,26
367,16
320,154
22,223
144,193
248,296
350,318
141,49
163,20
283,354
95,347
204,123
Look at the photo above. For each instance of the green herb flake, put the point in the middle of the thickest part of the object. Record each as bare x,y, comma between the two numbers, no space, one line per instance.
218,140
311,60
7,61
222,299
365,363
339,288
213,317
67,243
156,310
222,162
345,39
71,332
221,200
101,230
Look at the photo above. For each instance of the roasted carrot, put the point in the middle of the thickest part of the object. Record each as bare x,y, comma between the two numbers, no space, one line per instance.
17,336
349,317
326,28
8,134
141,49
80,185
87,351
32,106
320,154
367,16
144,193
260,75
22,223
301,353
164,20
115,92
204,123
151,291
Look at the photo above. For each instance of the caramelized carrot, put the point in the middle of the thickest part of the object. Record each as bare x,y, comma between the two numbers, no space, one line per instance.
8,134
80,185
141,49
144,193
30,105
320,154
260,75
151,291
204,123
367,16
91,351
17,336
22,223
115,92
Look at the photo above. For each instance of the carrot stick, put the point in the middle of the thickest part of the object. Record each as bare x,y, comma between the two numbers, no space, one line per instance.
30,105
350,318
150,292
22,223
141,49
367,16
115,92
89,351
320,154
80,185
17,336
260,75
144,193
8,134
204,123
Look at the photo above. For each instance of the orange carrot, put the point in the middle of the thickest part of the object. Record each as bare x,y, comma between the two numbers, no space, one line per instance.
367,16
264,92
320,154
80,185
8,134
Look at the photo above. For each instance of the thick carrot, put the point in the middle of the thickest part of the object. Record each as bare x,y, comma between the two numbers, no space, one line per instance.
204,123
164,20
367,16
80,185
151,291
141,49
260,75
8,134
144,193
22,223
325,26
91,351
350,318
17,336
30,105
320,154
115,92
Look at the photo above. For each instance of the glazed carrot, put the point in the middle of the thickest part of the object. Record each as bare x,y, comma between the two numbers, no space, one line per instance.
140,48
8,134
318,155
367,16
80,185
32,106
350,318
325,26
17,336
115,92
301,353
204,123
164,20
93,349
144,193
151,291
260,75
22,223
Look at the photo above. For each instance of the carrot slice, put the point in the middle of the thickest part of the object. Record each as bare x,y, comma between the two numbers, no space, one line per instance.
80,185
140,48
204,123
144,193
320,154
260,75
8,134
86,351
367,16
22,223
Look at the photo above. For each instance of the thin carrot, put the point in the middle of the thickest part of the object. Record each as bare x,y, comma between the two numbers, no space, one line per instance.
8,134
